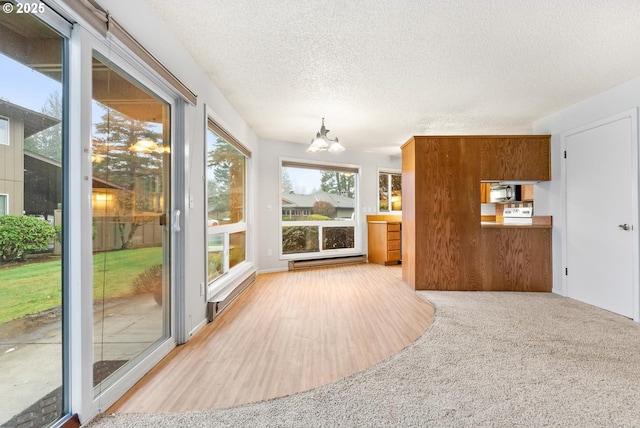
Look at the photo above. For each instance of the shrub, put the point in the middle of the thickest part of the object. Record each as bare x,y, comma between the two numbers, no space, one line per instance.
323,208
316,217
22,235
299,239
150,281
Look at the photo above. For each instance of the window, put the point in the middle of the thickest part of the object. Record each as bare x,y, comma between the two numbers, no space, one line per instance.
226,202
389,191
318,205
4,204
4,131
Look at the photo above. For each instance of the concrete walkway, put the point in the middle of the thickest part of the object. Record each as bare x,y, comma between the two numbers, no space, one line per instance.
31,347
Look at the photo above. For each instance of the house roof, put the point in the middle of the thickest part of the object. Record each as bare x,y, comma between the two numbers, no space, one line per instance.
34,122
291,200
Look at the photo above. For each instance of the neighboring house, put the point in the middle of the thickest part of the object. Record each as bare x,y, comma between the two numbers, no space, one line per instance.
294,205
31,184
17,167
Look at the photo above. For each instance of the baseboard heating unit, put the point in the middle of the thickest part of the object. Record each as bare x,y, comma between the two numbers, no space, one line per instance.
325,262
214,308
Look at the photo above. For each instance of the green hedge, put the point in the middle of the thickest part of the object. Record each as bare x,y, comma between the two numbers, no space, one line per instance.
22,235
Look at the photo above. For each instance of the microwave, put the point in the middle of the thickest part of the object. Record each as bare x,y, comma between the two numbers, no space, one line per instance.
504,193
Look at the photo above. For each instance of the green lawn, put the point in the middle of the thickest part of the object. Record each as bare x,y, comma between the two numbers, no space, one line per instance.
34,287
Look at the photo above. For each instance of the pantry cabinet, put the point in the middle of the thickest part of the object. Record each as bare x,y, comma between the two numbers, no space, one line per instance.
441,213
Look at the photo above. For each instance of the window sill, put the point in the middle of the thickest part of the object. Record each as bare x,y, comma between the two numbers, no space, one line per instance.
221,287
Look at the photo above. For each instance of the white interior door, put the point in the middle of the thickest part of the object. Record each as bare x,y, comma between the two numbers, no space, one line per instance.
601,214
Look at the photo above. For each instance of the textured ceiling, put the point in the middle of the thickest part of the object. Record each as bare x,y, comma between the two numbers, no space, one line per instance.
380,71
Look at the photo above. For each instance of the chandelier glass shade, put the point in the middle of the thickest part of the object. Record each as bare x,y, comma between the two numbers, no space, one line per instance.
321,142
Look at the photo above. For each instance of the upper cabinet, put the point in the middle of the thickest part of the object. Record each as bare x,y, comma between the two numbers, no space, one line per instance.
517,158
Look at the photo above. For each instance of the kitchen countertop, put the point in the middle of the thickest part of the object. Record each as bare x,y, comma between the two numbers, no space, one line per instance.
496,225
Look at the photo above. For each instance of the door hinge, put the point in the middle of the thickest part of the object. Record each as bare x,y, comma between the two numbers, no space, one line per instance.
565,154
566,271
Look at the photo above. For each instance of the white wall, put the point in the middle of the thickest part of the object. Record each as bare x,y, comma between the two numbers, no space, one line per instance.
269,191
548,195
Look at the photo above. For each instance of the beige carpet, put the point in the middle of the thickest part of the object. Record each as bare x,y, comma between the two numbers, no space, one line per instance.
489,359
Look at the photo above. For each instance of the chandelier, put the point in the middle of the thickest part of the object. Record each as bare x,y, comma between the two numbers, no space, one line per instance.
321,142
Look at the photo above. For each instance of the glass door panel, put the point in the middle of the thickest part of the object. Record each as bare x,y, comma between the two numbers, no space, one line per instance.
131,231
31,212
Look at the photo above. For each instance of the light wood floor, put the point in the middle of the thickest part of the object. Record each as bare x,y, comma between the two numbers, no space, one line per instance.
288,332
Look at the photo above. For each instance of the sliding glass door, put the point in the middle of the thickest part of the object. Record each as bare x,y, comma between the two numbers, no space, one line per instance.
131,153
32,166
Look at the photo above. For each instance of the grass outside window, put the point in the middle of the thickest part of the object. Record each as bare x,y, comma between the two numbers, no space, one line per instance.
34,287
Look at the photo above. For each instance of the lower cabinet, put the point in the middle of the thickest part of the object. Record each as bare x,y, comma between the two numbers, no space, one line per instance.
384,242
516,259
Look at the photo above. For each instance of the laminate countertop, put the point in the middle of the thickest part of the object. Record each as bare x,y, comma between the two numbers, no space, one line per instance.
538,222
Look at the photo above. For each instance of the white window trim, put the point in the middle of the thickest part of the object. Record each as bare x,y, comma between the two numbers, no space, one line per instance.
357,240
8,143
220,287
6,202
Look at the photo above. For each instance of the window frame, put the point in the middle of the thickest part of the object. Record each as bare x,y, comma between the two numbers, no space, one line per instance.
353,222
121,59
389,173
8,132
5,197
227,281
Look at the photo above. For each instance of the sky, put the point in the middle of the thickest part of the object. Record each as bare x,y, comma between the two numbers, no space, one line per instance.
22,86
304,181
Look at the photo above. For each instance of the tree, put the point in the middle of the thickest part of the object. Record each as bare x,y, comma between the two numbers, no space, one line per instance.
48,142
112,139
287,185
323,208
338,183
127,205
117,165
225,179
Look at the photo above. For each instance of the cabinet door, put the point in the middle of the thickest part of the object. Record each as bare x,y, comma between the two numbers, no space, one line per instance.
516,259
526,191
517,158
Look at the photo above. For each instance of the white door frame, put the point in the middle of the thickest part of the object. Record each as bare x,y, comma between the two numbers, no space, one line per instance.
633,115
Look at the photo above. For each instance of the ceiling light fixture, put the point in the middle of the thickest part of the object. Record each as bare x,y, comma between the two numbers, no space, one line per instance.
321,142
145,145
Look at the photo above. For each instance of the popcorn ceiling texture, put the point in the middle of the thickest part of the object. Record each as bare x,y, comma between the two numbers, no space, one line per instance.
381,71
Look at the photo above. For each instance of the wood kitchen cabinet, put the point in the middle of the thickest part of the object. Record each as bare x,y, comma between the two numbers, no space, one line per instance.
517,158
441,213
517,259
526,192
444,246
384,242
